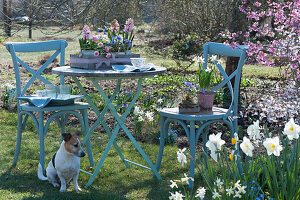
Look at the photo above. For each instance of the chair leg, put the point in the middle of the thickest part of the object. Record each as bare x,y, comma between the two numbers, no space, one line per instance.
84,113
163,133
204,141
41,134
192,152
19,138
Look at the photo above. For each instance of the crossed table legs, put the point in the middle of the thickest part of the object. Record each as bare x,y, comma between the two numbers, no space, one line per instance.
113,134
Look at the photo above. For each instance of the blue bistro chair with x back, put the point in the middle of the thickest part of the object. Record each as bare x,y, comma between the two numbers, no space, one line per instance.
204,118
58,111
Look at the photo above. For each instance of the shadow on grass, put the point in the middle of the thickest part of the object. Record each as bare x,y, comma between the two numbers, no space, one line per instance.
29,186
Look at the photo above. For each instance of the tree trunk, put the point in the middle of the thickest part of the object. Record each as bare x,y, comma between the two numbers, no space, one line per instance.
7,18
238,22
30,19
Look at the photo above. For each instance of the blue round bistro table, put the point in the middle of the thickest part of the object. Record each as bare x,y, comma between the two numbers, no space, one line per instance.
109,74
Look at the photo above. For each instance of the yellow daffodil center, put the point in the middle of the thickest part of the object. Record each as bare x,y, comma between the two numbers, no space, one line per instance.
233,140
231,156
291,128
272,146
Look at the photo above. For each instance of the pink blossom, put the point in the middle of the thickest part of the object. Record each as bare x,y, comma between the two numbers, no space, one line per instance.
100,44
108,55
115,26
257,4
129,25
95,38
106,49
96,53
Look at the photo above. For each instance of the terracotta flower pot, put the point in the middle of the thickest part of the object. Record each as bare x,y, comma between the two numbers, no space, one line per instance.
206,100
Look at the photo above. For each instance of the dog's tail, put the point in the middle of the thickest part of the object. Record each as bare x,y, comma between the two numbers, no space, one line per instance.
40,173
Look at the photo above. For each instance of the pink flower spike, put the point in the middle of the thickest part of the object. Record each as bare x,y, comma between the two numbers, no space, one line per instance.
106,49
108,55
100,44
95,38
96,53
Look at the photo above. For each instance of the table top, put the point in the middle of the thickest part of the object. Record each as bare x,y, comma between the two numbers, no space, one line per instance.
106,73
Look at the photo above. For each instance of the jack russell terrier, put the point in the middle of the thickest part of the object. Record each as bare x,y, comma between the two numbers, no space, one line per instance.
65,163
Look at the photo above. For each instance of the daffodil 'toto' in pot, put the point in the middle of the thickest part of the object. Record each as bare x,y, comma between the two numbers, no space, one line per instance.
205,81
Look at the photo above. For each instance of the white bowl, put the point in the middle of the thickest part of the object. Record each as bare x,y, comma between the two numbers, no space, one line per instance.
138,62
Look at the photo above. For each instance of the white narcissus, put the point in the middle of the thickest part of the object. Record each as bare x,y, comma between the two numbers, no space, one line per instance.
200,193
215,143
254,131
181,157
291,129
247,146
272,145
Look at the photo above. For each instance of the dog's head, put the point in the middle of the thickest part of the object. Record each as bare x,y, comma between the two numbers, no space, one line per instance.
73,144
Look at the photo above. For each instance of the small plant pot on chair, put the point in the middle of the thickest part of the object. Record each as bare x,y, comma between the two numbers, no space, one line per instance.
206,100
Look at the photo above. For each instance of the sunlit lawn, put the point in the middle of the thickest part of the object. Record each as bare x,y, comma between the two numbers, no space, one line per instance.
114,181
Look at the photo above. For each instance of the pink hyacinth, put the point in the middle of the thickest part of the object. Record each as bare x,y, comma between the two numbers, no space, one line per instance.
108,55
95,38
106,49
115,26
96,53
86,32
129,25
100,44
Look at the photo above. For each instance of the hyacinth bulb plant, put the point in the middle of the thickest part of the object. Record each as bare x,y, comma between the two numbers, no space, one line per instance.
206,80
112,40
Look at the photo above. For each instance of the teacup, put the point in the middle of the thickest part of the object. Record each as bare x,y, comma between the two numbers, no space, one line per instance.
138,62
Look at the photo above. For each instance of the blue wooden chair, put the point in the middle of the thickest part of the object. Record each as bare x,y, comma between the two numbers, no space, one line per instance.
205,118
59,112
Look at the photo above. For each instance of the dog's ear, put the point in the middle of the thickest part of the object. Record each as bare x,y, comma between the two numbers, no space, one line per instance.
66,136
78,133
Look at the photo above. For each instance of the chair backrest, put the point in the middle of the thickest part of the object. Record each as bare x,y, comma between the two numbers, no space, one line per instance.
58,46
240,51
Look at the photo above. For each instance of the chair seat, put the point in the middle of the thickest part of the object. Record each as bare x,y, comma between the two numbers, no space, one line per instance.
215,113
74,106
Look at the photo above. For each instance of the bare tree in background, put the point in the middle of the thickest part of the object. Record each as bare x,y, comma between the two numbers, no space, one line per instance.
7,14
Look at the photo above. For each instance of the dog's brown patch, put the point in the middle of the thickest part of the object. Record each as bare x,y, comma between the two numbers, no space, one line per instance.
72,142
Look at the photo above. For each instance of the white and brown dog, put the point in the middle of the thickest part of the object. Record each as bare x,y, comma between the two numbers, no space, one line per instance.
65,163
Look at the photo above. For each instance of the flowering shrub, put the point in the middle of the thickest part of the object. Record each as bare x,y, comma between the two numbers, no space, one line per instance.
270,172
273,34
113,39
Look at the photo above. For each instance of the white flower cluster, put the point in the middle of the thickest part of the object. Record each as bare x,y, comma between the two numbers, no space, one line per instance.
142,116
285,106
272,145
236,190
178,196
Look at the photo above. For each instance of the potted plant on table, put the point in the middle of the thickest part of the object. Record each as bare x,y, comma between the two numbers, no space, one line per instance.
206,79
188,103
112,47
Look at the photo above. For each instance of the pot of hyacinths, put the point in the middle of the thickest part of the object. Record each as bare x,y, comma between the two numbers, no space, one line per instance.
205,82
113,47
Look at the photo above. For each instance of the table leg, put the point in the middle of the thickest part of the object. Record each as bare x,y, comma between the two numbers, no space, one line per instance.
100,119
121,120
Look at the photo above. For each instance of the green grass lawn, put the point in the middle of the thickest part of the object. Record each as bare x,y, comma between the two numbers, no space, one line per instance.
114,181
